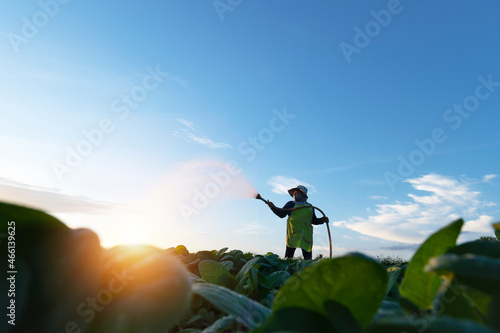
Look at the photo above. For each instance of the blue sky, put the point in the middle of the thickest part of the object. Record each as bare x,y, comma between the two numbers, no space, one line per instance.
116,116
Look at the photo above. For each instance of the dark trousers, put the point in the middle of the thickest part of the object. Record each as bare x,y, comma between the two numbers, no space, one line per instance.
291,250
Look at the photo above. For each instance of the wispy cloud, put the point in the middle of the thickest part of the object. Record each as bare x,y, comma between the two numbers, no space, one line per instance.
445,199
378,197
49,200
487,178
191,134
281,184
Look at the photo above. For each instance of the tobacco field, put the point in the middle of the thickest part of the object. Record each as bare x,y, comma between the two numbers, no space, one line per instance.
65,281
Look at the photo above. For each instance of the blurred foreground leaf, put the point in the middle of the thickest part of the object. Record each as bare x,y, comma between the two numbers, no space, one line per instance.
418,286
480,272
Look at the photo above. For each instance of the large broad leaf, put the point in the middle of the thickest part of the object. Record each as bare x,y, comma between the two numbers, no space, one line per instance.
149,290
480,272
418,286
341,318
479,247
52,276
453,301
355,281
428,325
31,226
245,310
297,319
216,273
276,279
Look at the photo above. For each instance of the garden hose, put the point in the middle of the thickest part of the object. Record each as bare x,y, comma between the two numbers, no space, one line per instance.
311,206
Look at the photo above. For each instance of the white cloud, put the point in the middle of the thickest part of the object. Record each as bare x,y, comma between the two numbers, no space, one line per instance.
281,184
187,123
480,225
49,200
487,178
191,134
413,221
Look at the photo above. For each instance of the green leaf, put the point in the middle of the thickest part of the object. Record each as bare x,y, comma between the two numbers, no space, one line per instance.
221,325
419,286
216,273
155,293
229,264
244,270
181,250
226,257
481,300
393,273
31,226
428,325
480,272
488,249
253,279
341,318
297,319
356,281
276,279
496,226
452,301
205,255
245,310
221,252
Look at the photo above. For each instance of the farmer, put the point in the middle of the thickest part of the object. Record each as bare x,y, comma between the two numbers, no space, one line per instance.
299,229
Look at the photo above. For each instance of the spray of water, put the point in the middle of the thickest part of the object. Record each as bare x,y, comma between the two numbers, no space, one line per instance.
190,187
213,178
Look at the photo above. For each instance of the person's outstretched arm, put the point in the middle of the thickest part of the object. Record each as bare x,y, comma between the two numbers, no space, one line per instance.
280,212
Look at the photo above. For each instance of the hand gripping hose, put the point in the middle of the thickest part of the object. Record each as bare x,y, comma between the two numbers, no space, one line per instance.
291,209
